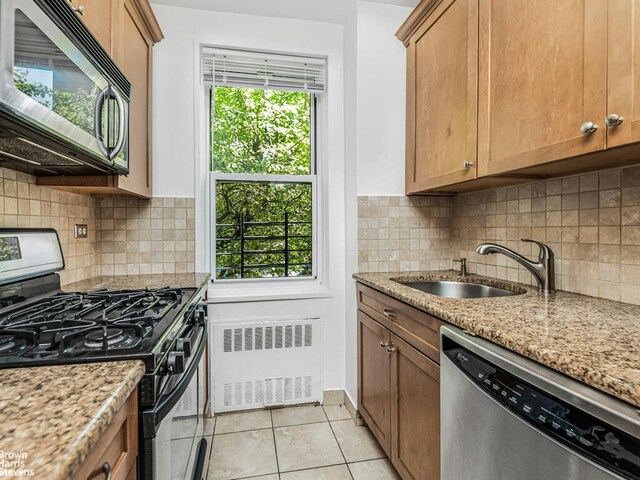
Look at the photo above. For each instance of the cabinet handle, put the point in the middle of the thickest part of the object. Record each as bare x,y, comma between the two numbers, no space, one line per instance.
468,164
391,349
106,468
389,313
384,345
80,10
588,128
613,120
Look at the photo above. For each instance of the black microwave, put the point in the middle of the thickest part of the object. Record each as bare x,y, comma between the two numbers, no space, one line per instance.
64,104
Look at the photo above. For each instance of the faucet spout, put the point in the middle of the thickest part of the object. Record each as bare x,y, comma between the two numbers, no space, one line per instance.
542,270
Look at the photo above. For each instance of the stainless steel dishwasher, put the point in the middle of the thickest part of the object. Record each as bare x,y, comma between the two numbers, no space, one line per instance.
505,417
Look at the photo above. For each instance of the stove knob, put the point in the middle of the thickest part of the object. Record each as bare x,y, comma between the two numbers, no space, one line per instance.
175,363
184,345
201,314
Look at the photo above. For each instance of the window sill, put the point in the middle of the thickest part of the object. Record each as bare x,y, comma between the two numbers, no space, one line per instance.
265,291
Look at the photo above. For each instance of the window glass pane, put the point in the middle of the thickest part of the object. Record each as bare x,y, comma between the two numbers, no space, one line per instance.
261,131
263,229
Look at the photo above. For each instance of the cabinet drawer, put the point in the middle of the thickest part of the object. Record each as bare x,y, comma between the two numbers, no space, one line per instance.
417,328
117,447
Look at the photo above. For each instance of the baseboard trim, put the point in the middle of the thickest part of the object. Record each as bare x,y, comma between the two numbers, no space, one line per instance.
333,397
341,397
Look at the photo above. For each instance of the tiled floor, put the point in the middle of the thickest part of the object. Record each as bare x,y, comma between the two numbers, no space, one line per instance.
296,443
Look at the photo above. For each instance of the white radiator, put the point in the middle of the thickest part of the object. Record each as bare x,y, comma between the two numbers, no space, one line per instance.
266,363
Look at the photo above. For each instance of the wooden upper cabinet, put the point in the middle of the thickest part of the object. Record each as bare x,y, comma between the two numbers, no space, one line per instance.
442,97
623,72
128,30
542,74
132,52
97,16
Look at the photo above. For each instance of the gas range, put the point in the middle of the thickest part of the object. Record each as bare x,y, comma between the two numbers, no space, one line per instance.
62,327
164,327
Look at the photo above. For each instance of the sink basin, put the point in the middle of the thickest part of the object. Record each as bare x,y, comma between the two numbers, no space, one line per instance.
451,289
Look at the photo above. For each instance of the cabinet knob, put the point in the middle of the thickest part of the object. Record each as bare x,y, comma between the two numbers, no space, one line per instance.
613,120
588,128
384,345
391,349
468,164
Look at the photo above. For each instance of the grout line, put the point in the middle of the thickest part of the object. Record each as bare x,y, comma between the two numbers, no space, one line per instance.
242,431
316,468
339,446
275,445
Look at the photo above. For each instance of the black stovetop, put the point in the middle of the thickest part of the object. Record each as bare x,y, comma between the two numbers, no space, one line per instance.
89,326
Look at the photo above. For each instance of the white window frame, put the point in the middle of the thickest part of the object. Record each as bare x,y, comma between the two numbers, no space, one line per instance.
273,288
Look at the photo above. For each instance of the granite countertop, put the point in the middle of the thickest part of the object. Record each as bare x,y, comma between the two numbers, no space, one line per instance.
130,282
590,339
53,416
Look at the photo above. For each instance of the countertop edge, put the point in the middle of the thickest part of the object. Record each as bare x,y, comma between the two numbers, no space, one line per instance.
553,359
87,438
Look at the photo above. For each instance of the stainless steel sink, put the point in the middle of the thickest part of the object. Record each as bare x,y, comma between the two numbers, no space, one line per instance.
453,289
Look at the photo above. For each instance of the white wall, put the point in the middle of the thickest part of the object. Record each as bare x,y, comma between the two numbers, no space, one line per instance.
176,157
381,99
380,120
366,130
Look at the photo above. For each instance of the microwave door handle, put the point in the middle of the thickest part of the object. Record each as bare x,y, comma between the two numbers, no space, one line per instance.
122,125
98,125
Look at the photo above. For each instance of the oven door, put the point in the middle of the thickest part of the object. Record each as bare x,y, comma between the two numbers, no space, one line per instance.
51,85
173,444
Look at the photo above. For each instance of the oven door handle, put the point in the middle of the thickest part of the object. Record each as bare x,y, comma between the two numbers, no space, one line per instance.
153,417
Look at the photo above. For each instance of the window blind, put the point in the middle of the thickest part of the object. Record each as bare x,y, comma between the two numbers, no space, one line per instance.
268,71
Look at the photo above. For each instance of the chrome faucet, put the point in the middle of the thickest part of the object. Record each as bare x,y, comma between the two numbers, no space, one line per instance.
543,270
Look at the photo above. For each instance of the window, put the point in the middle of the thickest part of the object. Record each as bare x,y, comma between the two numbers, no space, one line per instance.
262,150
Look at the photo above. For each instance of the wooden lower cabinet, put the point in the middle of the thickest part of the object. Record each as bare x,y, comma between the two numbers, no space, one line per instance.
399,397
375,382
117,448
415,410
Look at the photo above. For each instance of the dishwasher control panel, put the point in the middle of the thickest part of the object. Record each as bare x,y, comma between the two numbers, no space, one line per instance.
602,443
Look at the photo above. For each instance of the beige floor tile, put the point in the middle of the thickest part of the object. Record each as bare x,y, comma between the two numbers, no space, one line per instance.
285,417
243,454
357,443
209,425
336,472
275,476
373,470
242,421
337,412
307,446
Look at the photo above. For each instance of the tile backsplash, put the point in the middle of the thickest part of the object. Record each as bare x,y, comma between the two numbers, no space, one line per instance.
591,221
403,233
24,204
126,236
137,236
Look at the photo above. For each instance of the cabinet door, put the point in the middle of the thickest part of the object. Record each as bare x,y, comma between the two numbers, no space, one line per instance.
442,97
415,413
97,16
623,73
542,74
374,362
132,53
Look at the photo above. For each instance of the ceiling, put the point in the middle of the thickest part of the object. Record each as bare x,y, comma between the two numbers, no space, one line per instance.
333,11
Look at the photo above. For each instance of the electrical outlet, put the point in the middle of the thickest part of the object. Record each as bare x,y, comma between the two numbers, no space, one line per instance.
81,230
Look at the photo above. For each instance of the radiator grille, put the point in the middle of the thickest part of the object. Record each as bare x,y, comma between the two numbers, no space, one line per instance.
266,363
252,338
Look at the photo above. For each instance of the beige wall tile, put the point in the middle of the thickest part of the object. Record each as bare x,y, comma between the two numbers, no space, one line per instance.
591,221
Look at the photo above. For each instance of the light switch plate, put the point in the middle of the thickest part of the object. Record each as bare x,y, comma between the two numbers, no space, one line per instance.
81,230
